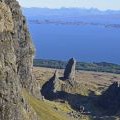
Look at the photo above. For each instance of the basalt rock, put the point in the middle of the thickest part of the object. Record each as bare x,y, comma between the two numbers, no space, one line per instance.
51,87
110,99
56,82
69,72
16,58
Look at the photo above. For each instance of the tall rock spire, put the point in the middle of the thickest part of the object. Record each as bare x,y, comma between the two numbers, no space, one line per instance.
69,72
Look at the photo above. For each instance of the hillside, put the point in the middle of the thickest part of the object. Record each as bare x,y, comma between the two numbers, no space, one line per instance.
91,83
98,67
36,93
46,110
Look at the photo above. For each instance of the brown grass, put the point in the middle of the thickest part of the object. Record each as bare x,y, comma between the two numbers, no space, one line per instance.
89,81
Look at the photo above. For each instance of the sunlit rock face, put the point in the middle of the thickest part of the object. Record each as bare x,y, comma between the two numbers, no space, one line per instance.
16,61
6,21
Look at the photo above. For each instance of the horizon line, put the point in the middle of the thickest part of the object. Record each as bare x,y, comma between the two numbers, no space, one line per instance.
58,8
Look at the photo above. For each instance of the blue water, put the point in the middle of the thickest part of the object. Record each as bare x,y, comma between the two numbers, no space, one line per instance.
85,43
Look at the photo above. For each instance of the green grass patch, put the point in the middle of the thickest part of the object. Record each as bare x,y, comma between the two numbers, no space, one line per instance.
44,109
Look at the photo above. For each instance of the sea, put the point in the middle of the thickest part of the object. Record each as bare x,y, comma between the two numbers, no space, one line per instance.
86,43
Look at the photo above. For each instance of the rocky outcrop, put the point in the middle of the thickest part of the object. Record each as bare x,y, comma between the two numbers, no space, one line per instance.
69,72
16,58
51,87
110,99
63,88
56,82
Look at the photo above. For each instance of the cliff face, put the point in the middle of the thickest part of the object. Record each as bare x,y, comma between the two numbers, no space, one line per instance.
16,58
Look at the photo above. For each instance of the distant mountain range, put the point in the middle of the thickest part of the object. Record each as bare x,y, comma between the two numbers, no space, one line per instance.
74,16
67,11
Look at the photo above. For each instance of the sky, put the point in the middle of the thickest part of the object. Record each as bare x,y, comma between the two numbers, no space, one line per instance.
100,4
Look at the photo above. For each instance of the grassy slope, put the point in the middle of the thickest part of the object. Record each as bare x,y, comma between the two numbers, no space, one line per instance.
45,110
89,81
